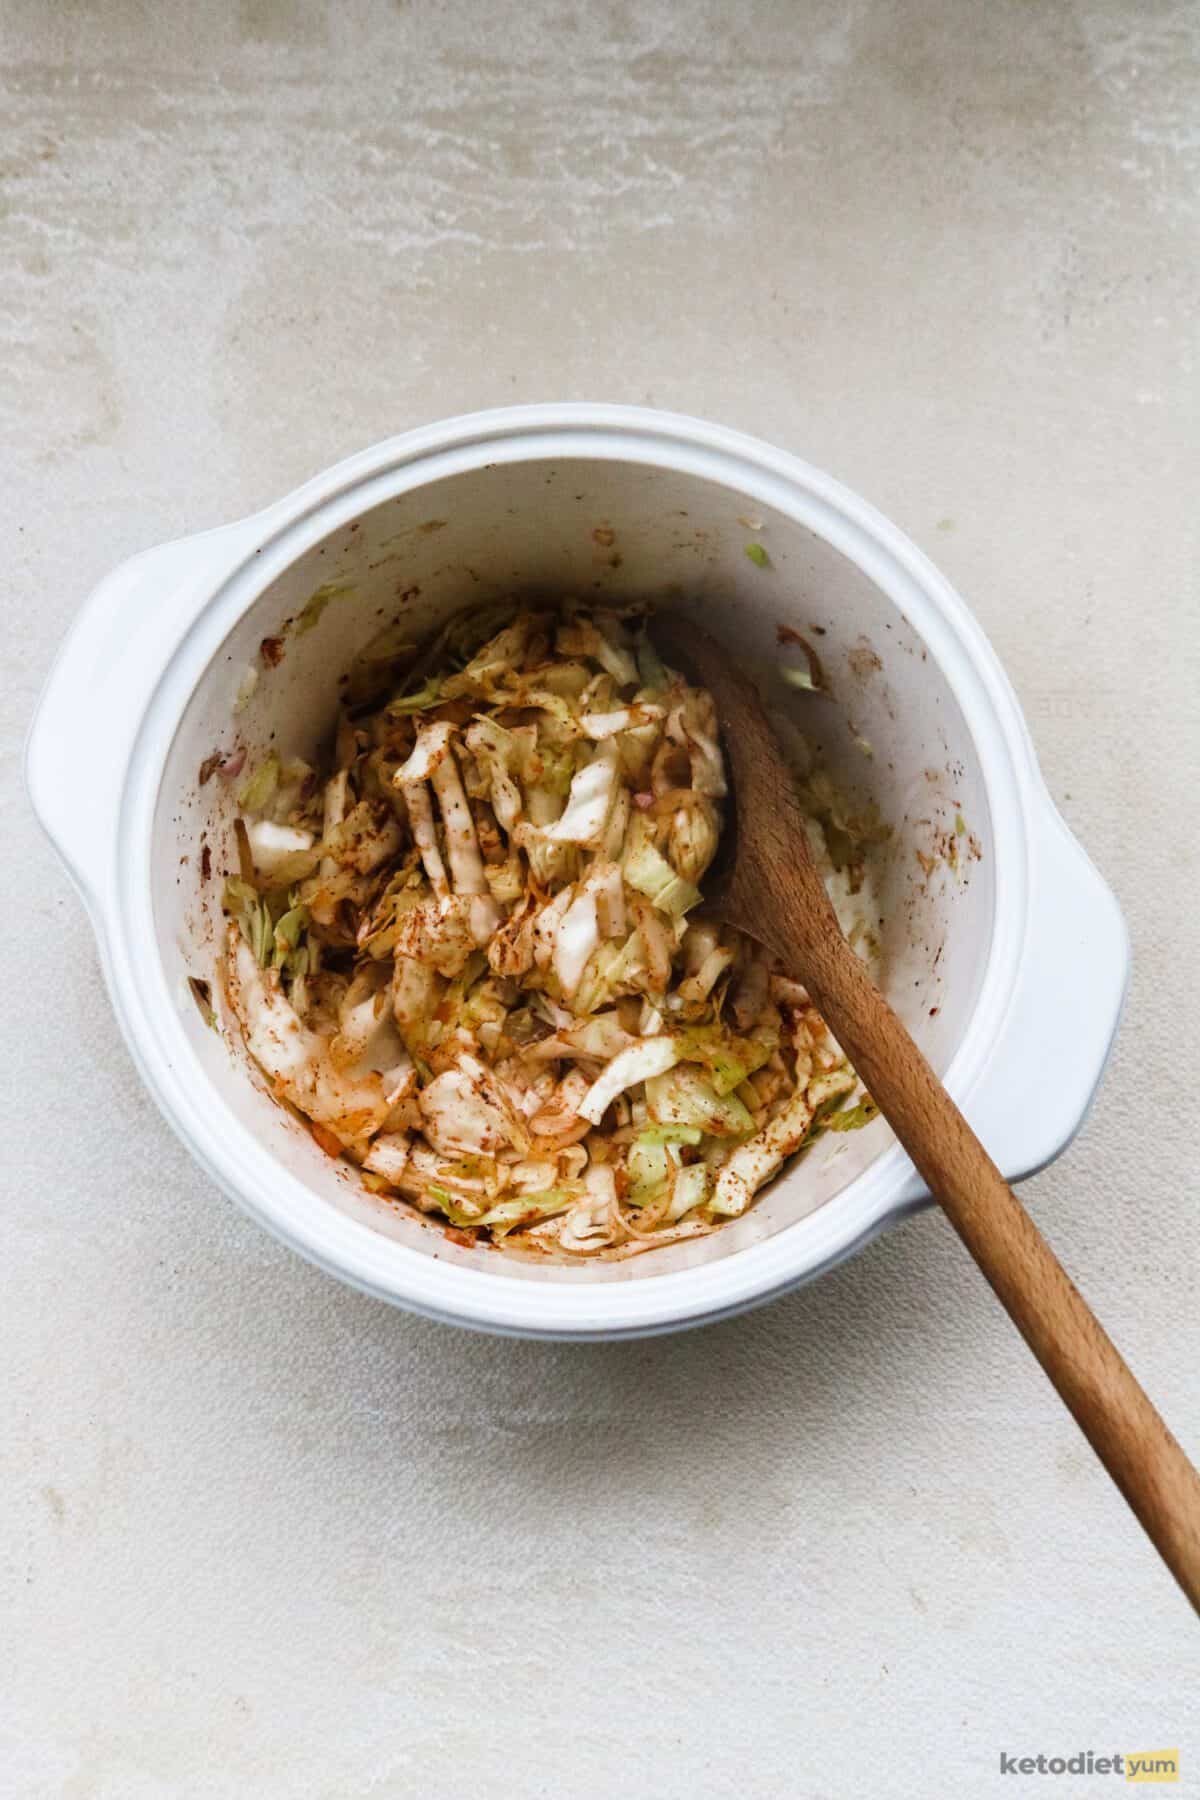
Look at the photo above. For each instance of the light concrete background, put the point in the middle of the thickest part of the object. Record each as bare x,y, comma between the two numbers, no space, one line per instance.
264,1538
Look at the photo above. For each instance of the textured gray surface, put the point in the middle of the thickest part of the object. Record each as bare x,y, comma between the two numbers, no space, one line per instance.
263,1537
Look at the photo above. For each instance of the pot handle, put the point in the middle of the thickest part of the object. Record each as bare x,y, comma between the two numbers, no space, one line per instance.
1045,1068
79,744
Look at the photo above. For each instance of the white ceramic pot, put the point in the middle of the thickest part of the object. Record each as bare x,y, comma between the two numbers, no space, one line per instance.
1009,968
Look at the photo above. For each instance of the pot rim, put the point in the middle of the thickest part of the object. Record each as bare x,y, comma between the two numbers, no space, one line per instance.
503,1299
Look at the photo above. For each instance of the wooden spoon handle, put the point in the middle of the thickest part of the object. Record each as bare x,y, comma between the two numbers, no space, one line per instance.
1120,1423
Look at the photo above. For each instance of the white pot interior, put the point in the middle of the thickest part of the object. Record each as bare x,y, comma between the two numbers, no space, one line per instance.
622,529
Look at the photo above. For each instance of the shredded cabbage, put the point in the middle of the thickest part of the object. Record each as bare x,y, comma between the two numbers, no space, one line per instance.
648,870
474,954
255,792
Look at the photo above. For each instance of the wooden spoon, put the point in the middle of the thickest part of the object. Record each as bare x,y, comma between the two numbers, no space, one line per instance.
774,893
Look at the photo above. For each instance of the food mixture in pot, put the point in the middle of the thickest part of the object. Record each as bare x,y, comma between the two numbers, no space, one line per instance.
473,952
